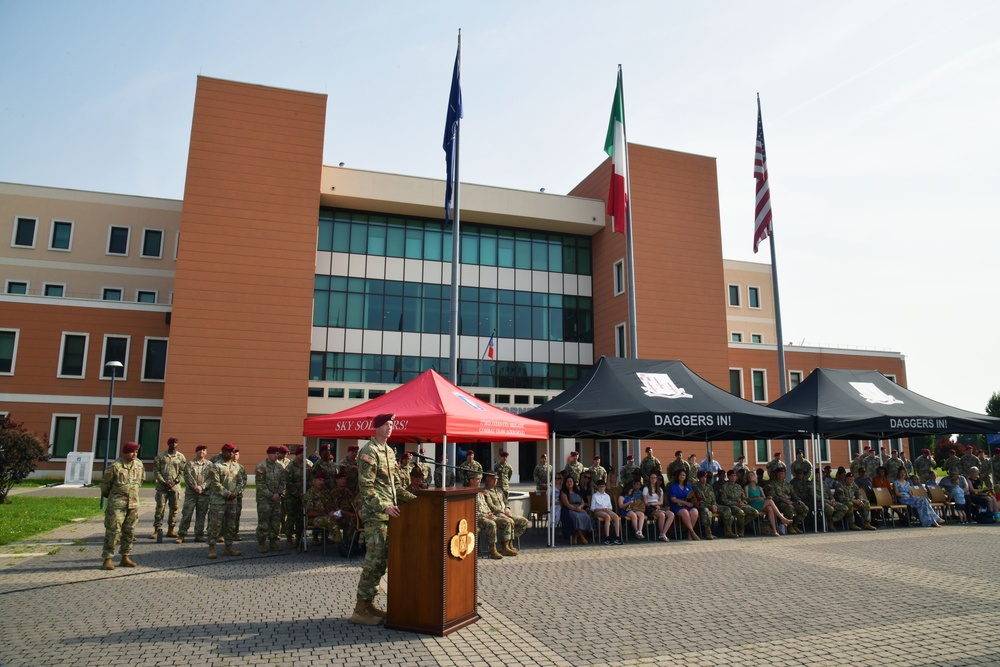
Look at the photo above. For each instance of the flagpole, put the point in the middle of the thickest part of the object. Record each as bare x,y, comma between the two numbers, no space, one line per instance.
633,335
455,235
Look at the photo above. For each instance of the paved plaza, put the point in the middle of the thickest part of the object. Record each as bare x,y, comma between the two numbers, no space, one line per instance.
904,596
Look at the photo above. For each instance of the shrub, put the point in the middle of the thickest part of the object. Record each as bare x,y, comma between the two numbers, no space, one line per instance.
20,451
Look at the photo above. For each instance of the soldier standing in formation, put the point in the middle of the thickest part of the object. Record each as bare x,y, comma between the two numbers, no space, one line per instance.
169,468
503,472
349,465
270,481
923,465
195,495
120,485
226,484
801,464
598,473
294,526
573,466
629,472
381,494
677,464
471,470
542,474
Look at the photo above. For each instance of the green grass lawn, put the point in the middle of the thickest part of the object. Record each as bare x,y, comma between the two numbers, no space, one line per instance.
25,516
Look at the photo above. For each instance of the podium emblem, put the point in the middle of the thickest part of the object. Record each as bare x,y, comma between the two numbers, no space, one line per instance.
463,543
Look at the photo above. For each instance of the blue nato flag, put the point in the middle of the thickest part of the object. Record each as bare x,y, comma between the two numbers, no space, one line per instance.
451,133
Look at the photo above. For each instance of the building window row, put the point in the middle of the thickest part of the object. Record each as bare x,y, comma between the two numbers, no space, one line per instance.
61,237
753,296
392,305
484,245
397,369
23,287
74,351
65,432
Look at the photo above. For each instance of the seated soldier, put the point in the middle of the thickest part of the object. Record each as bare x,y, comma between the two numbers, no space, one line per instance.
809,492
785,499
486,524
321,510
343,500
734,497
602,507
850,494
508,525
416,479
709,505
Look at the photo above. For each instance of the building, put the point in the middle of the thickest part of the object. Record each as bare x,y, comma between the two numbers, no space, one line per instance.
281,288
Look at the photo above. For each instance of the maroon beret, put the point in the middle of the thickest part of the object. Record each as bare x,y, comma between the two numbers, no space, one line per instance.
630,457
382,419
320,475
678,453
325,446
229,447
352,448
282,449
340,475
272,450
130,447
300,449
200,447
597,458
171,441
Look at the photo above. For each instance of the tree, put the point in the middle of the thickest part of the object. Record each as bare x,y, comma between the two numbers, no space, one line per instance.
20,452
993,405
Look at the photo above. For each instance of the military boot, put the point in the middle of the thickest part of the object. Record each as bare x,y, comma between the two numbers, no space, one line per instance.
796,529
108,564
741,530
494,554
180,539
200,538
230,551
854,526
374,609
362,616
262,546
171,532
290,543
156,534
508,549
868,526
126,561
211,551
274,545
729,531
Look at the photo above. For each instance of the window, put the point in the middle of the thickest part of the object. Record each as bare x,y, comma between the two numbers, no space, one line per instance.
101,438
854,447
152,243
734,296
145,296
824,450
73,355
736,382
111,294
24,232
621,347
753,297
736,337
118,240
759,378
794,379
739,449
619,277
115,349
62,235
63,435
890,377
762,450
756,338
8,350
154,359
16,287
53,289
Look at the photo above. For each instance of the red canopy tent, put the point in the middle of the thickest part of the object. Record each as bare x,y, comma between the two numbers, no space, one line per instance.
428,408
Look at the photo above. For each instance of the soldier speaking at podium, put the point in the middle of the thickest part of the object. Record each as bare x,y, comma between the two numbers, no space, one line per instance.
380,493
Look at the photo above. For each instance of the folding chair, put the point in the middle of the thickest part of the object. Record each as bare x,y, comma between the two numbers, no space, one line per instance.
886,504
538,509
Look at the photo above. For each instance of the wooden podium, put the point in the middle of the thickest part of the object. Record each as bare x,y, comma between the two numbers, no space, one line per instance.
431,591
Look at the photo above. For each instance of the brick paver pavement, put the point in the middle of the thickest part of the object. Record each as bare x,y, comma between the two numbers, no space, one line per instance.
905,596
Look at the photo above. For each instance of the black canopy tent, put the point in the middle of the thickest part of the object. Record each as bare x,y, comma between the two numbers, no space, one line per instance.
867,404
660,400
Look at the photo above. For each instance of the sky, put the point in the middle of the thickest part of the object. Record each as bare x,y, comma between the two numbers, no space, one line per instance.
880,119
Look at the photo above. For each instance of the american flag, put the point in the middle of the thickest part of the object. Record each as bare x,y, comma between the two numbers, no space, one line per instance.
762,222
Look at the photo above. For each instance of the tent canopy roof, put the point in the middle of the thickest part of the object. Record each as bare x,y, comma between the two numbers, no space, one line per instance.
665,400
427,408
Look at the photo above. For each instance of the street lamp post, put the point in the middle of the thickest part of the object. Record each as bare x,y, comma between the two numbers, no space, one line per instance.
113,366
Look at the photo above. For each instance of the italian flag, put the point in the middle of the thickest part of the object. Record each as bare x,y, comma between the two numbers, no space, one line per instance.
614,146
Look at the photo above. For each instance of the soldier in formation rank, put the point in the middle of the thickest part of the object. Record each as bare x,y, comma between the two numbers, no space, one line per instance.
120,485
169,470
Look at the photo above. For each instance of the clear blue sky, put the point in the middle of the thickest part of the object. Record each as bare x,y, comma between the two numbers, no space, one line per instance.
880,120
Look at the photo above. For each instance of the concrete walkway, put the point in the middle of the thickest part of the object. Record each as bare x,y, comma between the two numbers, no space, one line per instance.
905,596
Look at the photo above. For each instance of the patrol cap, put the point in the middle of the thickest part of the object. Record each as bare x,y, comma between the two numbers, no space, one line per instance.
130,447
382,419
229,447
200,447
352,448
171,441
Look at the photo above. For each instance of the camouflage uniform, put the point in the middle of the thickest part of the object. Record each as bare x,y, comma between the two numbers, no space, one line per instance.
732,496
426,471
239,498
574,470
270,481
196,473
169,470
120,485
892,467
808,492
225,480
344,500
923,465
708,500
294,526
784,496
598,473
857,465
952,462
487,527
968,462
675,465
380,487
871,465
803,465
350,468
443,476
469,470
773,466
504,473
629,472
508,526
319,503
543,472
846,494
328,466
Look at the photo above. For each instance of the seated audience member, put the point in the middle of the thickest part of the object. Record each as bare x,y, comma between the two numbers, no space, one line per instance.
881,481
653,498
632,507
613,489
604,512
683,503
784,497
931,479
957,488
509,526
575,520
709,505
853,496
981,493
928,517
488,524
761,481
862,480
584,488
765,506
734,497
